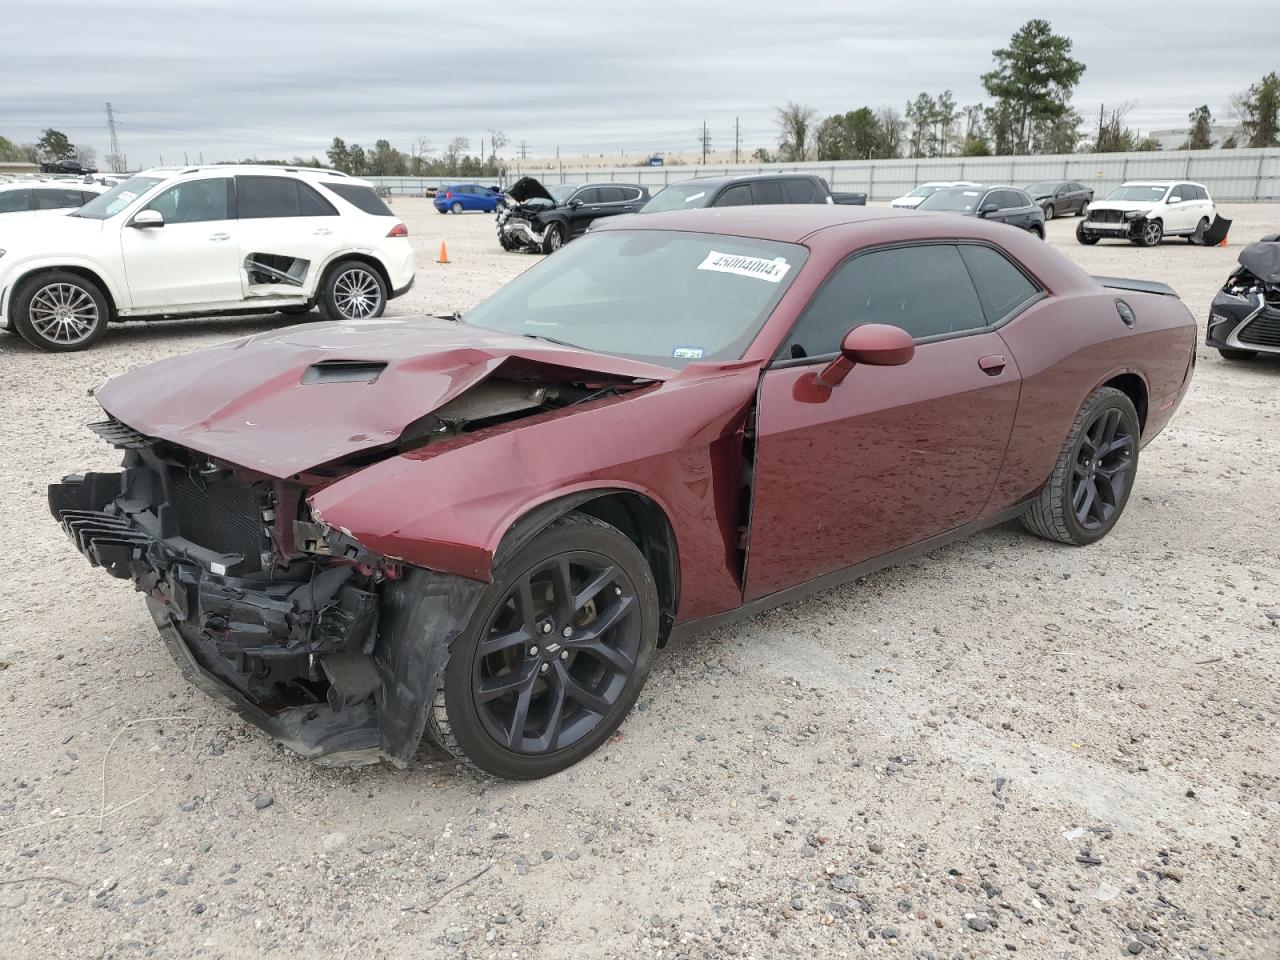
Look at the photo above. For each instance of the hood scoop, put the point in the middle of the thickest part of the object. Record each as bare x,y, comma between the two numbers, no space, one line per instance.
343,371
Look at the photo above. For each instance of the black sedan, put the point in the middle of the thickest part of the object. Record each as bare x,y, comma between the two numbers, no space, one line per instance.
1002,204
1061,196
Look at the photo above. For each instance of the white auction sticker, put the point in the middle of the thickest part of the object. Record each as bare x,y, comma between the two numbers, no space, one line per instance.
758,267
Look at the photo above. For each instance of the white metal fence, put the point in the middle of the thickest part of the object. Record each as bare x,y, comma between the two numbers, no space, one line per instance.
1231,175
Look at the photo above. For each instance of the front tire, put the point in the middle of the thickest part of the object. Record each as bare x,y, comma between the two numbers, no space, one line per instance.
60,312
561,645
1229,353
554,239
353,290
1084,236
1150,233
1048,212
1094,474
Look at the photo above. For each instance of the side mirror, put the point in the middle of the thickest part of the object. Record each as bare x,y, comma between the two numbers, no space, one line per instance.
987,208
875,344
574,204
1174,200
146,219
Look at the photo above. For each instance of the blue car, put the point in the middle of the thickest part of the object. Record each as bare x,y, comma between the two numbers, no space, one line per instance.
457,197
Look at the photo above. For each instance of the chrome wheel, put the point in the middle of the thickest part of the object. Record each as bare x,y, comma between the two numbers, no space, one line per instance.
63,314
357,294
1152,233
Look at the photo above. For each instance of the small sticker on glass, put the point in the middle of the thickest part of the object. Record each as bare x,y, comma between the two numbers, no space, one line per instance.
760,268
687,353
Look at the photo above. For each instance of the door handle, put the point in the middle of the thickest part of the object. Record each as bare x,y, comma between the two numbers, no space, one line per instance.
322,232
992,365
219,236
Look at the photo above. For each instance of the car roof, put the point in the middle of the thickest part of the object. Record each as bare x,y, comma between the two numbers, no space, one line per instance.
64,182
1158,183
311,174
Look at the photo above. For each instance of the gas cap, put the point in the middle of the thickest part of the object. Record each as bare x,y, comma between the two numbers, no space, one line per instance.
1126,313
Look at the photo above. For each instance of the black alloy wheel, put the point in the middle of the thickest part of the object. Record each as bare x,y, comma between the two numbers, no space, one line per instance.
1103,469
563,647
1094,474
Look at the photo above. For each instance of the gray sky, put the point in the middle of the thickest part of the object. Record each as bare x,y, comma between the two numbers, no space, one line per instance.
234,78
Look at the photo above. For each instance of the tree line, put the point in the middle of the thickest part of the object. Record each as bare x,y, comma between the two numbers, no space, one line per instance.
421,160
52,145
1030,111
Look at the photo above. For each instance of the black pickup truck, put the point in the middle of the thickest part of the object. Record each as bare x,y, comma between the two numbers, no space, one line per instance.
746,190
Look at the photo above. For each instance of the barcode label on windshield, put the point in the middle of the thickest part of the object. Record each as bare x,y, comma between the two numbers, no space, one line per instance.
758,267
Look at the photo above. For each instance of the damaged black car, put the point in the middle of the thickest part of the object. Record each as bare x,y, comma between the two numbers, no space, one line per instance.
540,219
1244,319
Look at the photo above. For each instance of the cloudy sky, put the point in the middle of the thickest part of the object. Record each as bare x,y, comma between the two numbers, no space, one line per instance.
230,79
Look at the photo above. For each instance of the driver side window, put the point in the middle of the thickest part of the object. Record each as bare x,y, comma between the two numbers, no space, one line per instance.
926,290
195,201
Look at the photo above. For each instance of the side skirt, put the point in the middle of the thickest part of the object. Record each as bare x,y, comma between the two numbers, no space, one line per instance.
839,577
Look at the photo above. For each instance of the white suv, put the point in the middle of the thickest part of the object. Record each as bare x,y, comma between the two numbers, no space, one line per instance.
1146,211
203,240
24,200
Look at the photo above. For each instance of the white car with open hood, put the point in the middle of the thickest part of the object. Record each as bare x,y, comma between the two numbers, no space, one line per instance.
1146,211
197,241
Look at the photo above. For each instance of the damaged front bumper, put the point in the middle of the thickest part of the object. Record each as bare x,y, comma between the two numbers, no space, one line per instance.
517,232
335,653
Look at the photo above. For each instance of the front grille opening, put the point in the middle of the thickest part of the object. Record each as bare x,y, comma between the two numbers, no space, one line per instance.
221,514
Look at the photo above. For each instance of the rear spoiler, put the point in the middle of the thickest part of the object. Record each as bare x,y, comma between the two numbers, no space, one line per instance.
1140,286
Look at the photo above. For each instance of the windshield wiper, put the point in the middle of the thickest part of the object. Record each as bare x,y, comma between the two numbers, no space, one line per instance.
561,343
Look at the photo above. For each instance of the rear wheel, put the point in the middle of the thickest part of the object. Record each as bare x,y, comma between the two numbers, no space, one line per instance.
1094,474
1228,353
1084,236
1084,208
353,290
1150,233
559,650
1048,212
60,312
457,206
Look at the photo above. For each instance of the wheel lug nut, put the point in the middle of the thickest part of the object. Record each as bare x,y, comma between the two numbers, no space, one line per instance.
546,628
533,651
617,591
564,654
567,632
545,667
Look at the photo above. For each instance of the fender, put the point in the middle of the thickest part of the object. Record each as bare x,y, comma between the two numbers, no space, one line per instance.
313,280
447,507
24,268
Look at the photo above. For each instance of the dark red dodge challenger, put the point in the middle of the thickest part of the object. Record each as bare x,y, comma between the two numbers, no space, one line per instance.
481,527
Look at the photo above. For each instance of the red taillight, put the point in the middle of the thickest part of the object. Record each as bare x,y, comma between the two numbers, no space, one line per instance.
399,230
448,194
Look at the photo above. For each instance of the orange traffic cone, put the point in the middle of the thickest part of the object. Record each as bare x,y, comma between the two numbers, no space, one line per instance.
1223,243
444,254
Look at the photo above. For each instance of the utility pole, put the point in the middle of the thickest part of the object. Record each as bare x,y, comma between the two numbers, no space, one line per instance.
1102,112
737,140
705,140
114,159
524,150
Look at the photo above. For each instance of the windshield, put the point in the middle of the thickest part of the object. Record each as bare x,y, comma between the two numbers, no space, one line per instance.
1133,191
116,199
924,191
1046,189
957,199
563,192
680,196
657,296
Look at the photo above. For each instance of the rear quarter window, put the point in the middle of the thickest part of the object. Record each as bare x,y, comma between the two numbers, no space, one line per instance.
1002,287
364,199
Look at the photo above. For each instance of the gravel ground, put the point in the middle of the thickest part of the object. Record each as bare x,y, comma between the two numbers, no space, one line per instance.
1003,746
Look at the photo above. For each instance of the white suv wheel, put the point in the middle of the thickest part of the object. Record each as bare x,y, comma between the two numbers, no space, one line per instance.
354,291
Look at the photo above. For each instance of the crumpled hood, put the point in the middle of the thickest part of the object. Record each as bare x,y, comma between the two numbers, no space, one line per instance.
284,402
1262,259
527,188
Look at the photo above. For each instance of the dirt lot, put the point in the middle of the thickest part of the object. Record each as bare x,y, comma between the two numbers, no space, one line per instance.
1004,746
